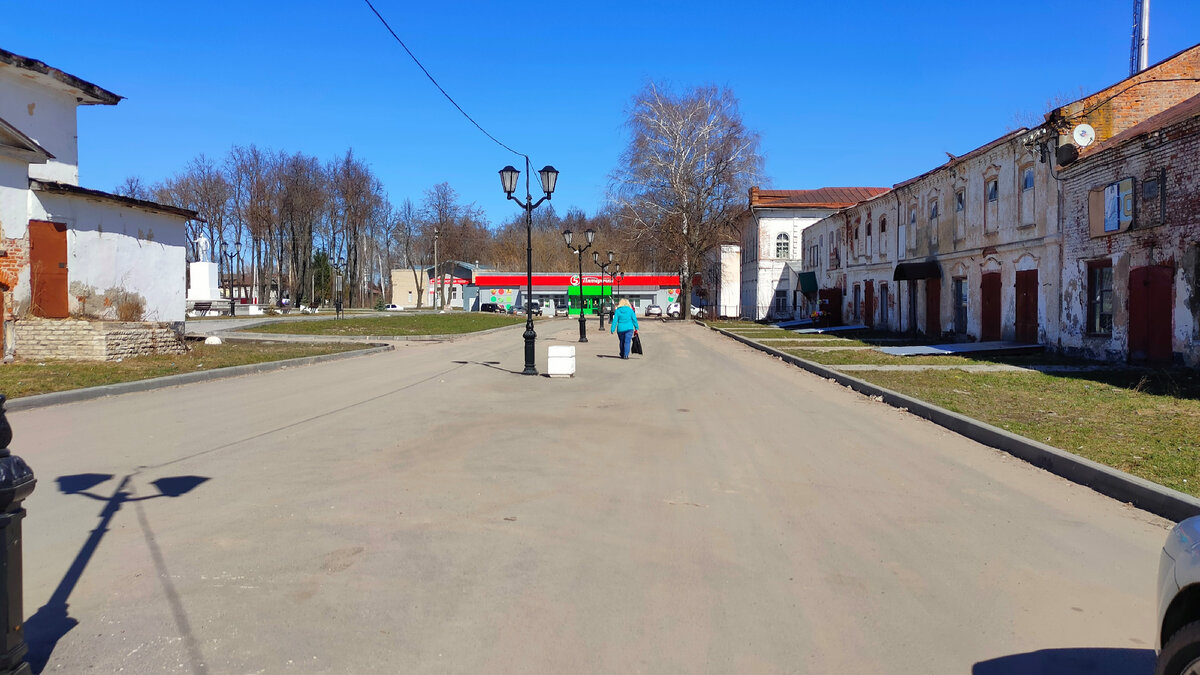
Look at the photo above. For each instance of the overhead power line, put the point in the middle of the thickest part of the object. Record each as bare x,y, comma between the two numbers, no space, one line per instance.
439,87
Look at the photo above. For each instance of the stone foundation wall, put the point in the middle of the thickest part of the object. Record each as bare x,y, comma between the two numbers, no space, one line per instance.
93,340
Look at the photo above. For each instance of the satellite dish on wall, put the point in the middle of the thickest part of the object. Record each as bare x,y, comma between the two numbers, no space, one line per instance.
1084,135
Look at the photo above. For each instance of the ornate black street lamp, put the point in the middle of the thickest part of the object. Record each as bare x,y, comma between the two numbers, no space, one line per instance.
508,179
591,236
603,271
229,254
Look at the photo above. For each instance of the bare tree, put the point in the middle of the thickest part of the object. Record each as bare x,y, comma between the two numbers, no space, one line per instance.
459,229
134,187
684,176
415,250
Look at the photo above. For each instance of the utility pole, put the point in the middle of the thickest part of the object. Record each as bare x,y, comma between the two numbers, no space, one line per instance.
437,292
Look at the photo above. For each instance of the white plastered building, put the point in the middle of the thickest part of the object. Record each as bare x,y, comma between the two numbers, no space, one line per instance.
771,229
68,251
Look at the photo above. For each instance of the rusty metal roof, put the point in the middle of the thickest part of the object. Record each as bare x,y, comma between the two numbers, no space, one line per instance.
68,189
826,197
959,159
89,94
31,146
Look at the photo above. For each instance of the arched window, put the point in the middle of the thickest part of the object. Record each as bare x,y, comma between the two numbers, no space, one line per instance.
781,246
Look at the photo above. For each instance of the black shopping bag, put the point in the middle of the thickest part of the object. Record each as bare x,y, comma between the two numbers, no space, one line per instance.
636,348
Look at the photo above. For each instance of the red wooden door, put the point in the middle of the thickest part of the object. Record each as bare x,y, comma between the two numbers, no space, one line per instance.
831,301
933,307
1027,306
48,268
869,308
989,304
1150,290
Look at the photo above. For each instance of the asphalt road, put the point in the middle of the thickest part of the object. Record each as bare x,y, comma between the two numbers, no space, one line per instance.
704,509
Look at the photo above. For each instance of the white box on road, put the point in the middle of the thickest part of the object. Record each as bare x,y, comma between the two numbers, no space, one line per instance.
561,361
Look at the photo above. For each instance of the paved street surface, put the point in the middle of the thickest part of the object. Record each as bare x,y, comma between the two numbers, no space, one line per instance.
705,509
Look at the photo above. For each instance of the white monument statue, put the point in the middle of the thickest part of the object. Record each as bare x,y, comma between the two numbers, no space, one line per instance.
202,245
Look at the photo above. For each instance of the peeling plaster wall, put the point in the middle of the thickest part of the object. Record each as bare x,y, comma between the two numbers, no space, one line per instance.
110,246
14,229
48,117
14,197
991,235
1172,242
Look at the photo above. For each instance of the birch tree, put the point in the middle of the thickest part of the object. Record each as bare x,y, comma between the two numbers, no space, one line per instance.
684,176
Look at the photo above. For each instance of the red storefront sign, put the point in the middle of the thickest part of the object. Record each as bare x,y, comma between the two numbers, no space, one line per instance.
511,280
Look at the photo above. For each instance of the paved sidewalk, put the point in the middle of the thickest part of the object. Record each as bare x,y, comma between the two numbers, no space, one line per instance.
701,509
973,368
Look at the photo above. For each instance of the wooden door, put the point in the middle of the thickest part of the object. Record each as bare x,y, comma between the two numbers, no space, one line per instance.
933,307
830,300
869,304
48,268
989,304
1027,307
1150,290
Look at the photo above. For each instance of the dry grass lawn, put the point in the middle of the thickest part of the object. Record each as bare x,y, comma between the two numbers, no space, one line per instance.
27,378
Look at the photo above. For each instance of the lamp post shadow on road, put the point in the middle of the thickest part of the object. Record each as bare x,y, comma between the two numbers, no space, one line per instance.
590,234
52,621
508,180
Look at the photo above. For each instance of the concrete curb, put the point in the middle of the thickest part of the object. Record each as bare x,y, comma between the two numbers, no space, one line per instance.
74,395
1145,495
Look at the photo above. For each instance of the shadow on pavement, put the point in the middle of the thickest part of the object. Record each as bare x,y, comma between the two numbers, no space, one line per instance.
52,621
1077,661
494,365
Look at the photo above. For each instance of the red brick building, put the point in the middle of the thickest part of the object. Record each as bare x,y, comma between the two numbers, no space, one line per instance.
1131,265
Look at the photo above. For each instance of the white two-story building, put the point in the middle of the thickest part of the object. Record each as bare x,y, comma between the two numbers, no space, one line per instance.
771,230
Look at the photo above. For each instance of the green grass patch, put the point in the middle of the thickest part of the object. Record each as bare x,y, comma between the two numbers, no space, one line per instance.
871,357
760,332
27,378
725,324
1144,422
807,343
420,324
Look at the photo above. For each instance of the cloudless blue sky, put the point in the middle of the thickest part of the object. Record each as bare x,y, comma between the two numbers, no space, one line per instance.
842,93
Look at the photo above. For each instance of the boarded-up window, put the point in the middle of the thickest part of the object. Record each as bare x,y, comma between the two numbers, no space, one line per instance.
1111,208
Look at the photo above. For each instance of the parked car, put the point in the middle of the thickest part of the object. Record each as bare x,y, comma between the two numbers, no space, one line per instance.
1177,632
674,310
560,310
491,307
607,307
653,310
392,308
536,307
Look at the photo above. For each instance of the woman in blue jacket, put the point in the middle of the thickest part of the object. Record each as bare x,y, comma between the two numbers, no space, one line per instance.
624,323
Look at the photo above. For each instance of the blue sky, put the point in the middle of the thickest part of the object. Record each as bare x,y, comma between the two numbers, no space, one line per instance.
842,93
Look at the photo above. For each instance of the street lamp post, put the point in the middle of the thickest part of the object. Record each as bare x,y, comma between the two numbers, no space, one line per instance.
337,288
591,236
230,255
619,277
508,179
603,271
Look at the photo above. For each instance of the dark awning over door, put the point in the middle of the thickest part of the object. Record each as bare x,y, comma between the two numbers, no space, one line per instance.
808,282
917,270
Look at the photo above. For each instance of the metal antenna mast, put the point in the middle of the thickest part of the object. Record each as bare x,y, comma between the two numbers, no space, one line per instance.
1139,49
